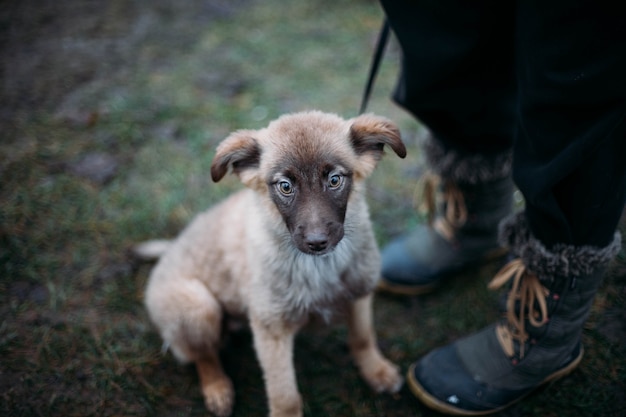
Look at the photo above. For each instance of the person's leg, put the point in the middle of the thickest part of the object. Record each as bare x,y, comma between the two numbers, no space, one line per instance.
570,151
457,78
569,164
457,70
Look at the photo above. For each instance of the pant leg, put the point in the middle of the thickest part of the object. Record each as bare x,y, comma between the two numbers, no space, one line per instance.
570,146
457,70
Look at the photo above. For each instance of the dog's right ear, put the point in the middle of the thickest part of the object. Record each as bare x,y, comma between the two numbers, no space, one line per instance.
240,152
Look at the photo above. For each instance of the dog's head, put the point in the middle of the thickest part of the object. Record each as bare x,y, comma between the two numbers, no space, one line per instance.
308,163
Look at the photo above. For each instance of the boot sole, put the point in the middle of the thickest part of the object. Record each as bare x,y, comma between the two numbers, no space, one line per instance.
443,407
401,289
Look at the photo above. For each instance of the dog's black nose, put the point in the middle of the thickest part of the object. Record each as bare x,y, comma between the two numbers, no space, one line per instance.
316,241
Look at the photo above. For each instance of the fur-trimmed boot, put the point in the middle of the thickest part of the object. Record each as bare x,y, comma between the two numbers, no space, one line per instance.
466,197
539,340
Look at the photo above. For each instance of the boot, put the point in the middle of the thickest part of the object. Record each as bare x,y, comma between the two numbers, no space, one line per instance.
466,198
539,339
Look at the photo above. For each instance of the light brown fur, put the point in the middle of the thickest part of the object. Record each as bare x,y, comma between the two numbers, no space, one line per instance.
239,258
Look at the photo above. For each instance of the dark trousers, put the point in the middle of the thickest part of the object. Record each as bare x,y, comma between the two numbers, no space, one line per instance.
547,78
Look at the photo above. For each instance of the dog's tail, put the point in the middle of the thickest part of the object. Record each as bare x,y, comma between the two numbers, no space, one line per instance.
151,250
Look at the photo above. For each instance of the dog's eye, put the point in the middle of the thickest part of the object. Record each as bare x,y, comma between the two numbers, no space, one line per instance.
285,188
335,181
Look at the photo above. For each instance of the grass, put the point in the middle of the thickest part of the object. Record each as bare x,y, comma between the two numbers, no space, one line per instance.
153,87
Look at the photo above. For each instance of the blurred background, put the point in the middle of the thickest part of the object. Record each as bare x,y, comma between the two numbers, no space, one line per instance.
109,115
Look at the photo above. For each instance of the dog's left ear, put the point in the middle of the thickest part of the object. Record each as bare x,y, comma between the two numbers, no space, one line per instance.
240,152
369,134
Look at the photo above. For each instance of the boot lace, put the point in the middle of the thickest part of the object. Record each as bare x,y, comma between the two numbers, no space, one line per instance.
531,295
455,214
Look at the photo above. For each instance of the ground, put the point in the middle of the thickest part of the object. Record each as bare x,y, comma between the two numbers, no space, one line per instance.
109,115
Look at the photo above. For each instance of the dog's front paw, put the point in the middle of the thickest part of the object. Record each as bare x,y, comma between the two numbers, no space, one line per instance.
383,376
219,397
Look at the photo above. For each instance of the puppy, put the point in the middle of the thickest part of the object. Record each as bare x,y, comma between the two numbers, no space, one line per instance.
296,242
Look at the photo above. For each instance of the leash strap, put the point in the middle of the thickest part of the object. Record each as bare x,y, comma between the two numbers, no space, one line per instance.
378,54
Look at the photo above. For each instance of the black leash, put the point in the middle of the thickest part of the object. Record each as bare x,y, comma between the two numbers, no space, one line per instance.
378,54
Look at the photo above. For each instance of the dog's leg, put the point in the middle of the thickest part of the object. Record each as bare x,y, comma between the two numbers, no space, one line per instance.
274,347
189,318
217,388
379,372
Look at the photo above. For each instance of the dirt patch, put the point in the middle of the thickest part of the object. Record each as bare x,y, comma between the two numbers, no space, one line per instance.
49,51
